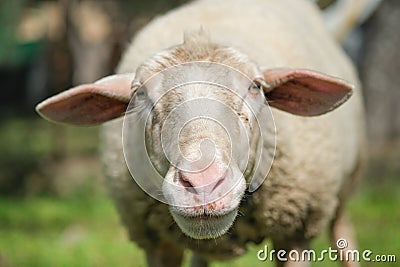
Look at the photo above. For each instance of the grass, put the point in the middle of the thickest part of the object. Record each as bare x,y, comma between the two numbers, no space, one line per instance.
85,231
76,231
82,228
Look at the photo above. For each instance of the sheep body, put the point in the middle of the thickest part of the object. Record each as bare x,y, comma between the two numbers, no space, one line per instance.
315,158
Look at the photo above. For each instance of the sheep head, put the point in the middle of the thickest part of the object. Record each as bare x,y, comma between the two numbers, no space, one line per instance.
197,122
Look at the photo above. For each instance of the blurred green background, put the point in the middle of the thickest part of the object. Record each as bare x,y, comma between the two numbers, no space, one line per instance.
54,209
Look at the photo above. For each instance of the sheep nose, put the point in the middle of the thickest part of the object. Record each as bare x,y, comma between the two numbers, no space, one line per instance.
203,181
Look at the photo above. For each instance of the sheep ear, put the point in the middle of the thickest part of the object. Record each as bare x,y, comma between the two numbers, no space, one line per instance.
89,104
304,92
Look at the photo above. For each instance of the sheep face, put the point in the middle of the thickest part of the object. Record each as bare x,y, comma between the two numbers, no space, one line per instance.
202,135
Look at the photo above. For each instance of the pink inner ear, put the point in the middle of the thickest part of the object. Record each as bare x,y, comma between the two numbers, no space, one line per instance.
305,92
89,104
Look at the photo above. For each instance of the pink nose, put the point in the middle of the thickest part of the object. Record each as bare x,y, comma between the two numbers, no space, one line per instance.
205,181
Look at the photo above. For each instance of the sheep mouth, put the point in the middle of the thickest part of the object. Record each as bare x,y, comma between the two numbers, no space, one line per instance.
204,226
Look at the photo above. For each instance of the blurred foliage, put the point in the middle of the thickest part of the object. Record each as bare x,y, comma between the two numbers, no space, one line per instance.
32,148
11,51
149,7
24,146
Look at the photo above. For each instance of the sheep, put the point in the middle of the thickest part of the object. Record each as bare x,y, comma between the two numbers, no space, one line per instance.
270,59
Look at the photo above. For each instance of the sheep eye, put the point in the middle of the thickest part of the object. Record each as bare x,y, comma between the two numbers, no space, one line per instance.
254,89
140,93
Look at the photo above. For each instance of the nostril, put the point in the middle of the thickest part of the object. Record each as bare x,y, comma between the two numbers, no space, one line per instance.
218,184
186,184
